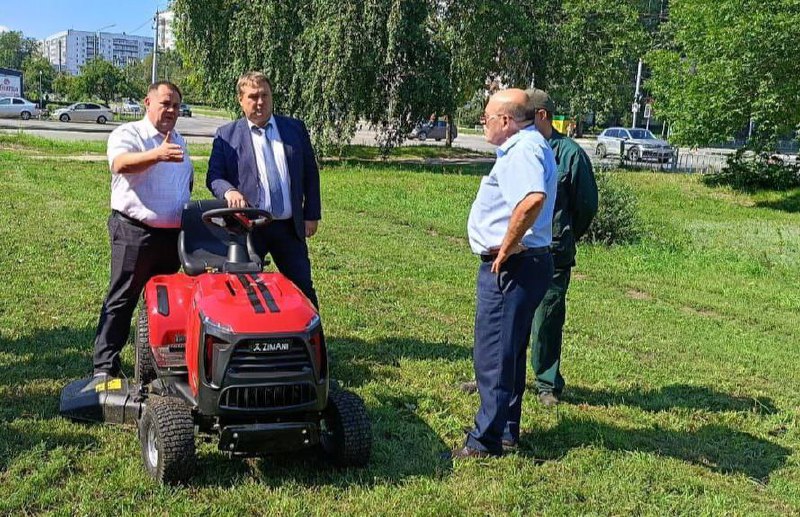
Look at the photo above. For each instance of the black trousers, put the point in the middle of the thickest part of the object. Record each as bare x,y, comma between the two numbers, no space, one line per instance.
290,254
138,253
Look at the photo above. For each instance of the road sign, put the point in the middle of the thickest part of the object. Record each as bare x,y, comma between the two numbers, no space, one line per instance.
635,107
648,108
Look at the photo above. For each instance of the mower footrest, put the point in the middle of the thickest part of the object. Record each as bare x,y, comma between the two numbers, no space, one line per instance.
268,438
113,402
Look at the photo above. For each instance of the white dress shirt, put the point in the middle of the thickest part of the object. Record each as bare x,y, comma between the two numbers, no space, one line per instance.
276,144
156,195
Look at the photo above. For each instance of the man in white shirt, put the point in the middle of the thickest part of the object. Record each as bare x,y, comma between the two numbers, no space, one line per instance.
151,180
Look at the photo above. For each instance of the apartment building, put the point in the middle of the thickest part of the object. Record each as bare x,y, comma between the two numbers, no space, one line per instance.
69,50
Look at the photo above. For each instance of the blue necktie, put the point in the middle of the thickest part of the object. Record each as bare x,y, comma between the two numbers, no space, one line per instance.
273,177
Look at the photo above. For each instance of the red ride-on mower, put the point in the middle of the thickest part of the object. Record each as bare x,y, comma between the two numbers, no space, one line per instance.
226,349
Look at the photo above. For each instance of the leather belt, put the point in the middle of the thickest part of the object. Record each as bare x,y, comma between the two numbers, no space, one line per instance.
529,252
137,223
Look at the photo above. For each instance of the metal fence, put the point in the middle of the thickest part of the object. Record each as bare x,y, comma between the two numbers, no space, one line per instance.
683,161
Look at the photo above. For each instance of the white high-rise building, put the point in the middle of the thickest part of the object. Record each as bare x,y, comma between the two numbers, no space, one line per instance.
69,50
166,38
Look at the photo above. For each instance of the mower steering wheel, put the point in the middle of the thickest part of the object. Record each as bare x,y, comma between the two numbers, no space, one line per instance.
237,221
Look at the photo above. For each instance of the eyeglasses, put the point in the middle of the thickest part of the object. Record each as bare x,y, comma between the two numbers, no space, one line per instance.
485,120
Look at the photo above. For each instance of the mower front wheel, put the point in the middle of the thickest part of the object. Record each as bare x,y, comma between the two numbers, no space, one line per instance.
166,433
346,439
144,368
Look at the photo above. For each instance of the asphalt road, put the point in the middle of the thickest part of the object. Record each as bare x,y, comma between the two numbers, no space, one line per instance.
201,129
197,129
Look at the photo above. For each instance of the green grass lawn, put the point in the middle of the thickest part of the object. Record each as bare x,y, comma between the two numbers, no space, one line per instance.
32,145
683,379
208,111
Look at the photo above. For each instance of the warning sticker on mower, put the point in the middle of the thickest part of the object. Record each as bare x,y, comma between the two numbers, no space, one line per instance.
114,384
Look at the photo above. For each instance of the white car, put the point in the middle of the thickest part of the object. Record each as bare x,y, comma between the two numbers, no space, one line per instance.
13,107
638,144
131,107
85,112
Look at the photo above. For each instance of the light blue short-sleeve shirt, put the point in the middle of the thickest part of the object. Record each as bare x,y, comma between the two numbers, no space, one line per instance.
525,164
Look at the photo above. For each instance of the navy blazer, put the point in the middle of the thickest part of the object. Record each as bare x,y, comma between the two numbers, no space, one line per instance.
233,165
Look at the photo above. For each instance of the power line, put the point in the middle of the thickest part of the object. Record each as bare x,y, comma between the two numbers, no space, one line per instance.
142,25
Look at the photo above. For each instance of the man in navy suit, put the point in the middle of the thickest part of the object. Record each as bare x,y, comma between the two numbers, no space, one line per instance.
266,161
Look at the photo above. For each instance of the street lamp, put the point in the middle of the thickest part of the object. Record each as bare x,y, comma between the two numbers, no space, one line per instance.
97,38
41,94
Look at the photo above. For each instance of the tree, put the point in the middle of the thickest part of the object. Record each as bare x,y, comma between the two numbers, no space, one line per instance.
99,78
396,62
15,49
331,63
135,77
34,70
727,63
594,51
66,86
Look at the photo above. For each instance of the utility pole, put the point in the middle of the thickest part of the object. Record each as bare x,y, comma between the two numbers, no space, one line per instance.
635,105
154,75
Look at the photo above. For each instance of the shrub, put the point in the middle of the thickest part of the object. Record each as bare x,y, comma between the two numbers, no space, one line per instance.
617,220
749,171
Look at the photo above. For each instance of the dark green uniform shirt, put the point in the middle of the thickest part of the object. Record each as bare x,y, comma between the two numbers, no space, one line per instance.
576,198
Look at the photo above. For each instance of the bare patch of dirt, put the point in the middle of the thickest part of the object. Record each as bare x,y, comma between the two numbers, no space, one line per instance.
638,295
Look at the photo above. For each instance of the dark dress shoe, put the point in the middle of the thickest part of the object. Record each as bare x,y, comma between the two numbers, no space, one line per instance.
461,453
510,446
468,387
548,399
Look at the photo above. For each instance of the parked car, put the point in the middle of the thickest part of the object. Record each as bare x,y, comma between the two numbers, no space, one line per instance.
13,107
436,130
639,144
132,107
84,111
186,110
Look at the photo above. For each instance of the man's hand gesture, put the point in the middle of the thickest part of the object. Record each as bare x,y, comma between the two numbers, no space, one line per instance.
169,152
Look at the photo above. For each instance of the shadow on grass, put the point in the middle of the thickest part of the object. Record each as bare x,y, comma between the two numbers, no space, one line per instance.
38,366
716,447
670,397
403,446
789,203
16,441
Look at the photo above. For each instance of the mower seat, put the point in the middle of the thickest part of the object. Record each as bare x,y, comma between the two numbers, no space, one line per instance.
203,247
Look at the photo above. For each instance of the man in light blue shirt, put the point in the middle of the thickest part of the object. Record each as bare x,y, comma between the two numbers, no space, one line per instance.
510,228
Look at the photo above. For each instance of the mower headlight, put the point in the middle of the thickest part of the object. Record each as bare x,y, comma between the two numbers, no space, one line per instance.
216,328
313,323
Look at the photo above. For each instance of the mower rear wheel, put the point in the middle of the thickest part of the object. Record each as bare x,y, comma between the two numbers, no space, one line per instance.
346,438
144,366
166,433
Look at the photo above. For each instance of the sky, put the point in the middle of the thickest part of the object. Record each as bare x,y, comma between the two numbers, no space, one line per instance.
41,18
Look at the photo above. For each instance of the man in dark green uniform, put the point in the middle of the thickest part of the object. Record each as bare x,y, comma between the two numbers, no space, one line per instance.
576,206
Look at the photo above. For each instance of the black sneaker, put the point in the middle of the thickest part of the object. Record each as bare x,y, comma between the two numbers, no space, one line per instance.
101,381
510,446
